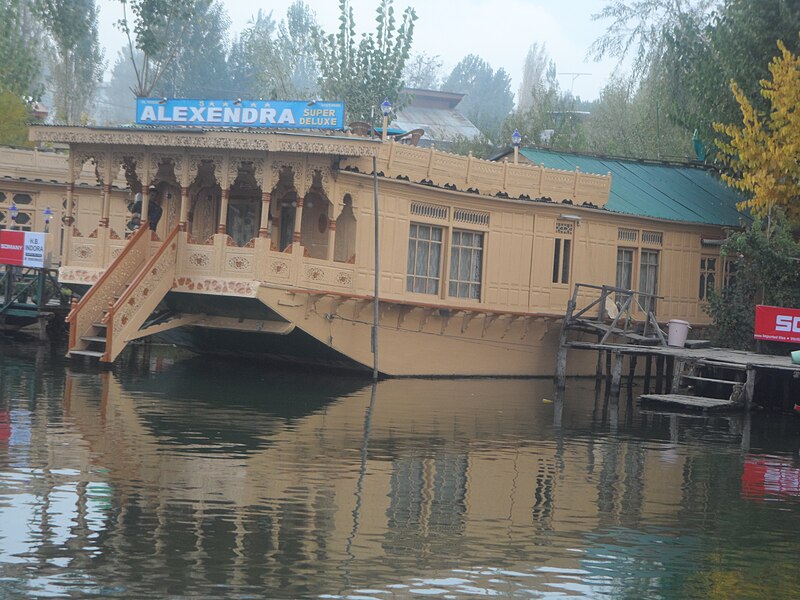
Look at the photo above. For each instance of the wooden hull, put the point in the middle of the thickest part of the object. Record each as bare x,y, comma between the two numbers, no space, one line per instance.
334,331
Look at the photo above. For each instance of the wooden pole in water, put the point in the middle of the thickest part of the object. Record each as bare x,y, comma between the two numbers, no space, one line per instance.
375,311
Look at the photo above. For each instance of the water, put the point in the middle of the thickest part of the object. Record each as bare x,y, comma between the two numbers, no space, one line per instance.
176,477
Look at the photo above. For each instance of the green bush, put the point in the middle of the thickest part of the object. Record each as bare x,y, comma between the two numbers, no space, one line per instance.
767,271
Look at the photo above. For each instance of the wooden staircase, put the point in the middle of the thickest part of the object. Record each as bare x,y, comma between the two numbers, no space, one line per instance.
113,310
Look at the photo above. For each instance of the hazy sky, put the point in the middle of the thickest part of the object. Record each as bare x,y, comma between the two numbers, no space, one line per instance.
499,32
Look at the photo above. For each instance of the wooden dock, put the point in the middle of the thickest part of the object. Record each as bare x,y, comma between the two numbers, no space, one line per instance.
694,377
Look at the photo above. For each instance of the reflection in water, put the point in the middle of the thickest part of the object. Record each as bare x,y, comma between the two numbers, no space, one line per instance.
174,477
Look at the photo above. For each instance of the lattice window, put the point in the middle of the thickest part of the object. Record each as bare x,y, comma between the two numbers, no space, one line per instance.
564,228
627,235
431,211
470,217
653,238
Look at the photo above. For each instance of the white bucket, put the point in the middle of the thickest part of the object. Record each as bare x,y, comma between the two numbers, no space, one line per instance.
678,330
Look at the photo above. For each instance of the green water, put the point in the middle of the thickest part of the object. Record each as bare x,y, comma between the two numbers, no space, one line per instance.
174,477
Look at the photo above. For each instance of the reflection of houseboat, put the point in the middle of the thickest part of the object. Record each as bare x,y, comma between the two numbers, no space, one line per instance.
266,246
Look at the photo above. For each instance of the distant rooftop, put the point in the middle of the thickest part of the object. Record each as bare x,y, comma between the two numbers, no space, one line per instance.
436,112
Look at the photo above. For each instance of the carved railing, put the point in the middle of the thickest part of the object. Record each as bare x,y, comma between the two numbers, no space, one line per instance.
141,297
90,309
488,177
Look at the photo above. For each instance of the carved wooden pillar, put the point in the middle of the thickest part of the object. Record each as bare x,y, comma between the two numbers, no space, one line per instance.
331,238
264,229
104,216
145,179
223,211
184,214
105,173
298,220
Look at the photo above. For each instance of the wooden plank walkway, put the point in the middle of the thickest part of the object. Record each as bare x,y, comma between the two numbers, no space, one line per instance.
721,357
693,402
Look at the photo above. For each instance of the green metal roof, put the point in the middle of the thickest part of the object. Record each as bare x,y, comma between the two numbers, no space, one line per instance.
662,191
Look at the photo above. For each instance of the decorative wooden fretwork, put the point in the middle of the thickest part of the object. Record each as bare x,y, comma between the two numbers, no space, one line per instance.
564,228
652,238
431,211
470,217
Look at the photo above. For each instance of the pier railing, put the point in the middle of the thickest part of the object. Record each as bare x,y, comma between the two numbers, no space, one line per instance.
616,311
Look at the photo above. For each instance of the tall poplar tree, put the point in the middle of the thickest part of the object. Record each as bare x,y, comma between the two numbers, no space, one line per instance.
157,29
75,61
19,63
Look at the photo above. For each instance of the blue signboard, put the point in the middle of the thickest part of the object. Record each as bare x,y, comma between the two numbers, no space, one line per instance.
181,112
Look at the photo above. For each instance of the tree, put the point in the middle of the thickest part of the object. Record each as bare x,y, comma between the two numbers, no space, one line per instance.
690,49
117,104
199,65
641,28
538,75
762,153
363,73
75,61
13,120
279,61
19,62
157,28
765,257
627,120
488,98
423,72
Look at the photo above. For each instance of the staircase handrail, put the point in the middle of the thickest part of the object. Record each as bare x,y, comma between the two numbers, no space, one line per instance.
129,295
90,307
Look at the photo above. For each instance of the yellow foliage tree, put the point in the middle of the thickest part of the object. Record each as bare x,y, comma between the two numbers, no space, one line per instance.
763,153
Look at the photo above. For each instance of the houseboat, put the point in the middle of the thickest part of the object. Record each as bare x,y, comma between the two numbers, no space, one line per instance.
264,246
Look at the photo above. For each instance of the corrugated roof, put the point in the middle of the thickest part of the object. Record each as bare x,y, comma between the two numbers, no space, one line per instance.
440,125
662,191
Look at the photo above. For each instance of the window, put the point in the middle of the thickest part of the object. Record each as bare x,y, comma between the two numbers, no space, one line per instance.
424,258
562,251
22,199
729,278
648,278
708,276
625,268
466,263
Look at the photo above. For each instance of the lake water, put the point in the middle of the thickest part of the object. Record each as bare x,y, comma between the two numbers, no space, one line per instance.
174,477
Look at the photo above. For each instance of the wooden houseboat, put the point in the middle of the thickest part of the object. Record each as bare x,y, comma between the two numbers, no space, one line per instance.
265,247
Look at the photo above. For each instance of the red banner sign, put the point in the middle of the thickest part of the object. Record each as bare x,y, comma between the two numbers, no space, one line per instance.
777,324
22,248
12,247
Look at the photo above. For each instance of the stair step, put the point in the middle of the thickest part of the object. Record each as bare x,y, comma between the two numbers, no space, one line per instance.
91,353
101,325
712,380
94,338
693,402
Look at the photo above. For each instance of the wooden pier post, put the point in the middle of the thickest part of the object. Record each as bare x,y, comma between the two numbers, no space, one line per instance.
647,372
749,388
561,358
660,374
616,377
